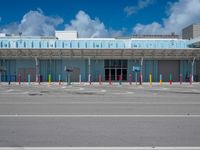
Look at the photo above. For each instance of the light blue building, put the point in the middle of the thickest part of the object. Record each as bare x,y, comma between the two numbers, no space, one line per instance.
108,57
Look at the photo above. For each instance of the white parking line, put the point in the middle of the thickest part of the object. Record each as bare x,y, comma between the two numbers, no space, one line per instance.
98,103
100,148
99,116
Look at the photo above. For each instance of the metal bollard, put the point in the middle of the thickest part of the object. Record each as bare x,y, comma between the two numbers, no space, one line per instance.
100,79
90,79
130,79
19,79
9,79
49,79
136,78
190,79
80,80
150,79
120,79
160,79
140,79
170,79
38,79
29,79
68,79
59,79
109,79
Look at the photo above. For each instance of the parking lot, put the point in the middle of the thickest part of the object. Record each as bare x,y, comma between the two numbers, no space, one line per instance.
100,115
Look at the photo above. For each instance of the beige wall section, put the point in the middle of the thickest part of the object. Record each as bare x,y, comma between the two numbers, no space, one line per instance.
75,75
191,31
165,67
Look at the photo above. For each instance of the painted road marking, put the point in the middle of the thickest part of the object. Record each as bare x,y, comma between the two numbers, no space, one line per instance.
129,92
103,90
99,116
100,148
93,103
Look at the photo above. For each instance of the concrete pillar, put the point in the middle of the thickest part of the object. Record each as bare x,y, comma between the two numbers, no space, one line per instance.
36,69
141,66
89,69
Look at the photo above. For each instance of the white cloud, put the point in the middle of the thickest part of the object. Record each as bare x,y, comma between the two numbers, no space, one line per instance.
129,10
181,14
90,28
34,23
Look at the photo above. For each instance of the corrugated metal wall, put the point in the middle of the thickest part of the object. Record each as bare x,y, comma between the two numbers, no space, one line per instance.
56,67
10,69
25,67
53,67
150,67
186,68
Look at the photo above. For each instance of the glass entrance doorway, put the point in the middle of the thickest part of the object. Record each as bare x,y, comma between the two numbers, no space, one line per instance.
115,68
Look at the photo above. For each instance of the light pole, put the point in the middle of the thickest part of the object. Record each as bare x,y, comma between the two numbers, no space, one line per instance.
193,69
141,70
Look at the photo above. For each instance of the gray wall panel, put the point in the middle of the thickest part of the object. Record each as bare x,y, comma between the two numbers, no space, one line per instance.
165,67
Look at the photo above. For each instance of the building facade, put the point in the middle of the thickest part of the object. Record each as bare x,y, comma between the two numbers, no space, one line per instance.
191,31
40,57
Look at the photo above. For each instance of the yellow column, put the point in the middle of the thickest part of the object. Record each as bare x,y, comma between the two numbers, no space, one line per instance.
150,79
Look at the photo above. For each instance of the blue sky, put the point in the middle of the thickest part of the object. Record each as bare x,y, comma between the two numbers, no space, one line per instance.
98,18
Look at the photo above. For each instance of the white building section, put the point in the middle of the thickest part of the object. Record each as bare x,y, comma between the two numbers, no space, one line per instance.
66,35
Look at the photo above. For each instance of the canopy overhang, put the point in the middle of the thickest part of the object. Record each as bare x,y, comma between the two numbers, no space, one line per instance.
188,53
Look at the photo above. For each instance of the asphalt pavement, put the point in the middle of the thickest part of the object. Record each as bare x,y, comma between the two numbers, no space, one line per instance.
100,115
